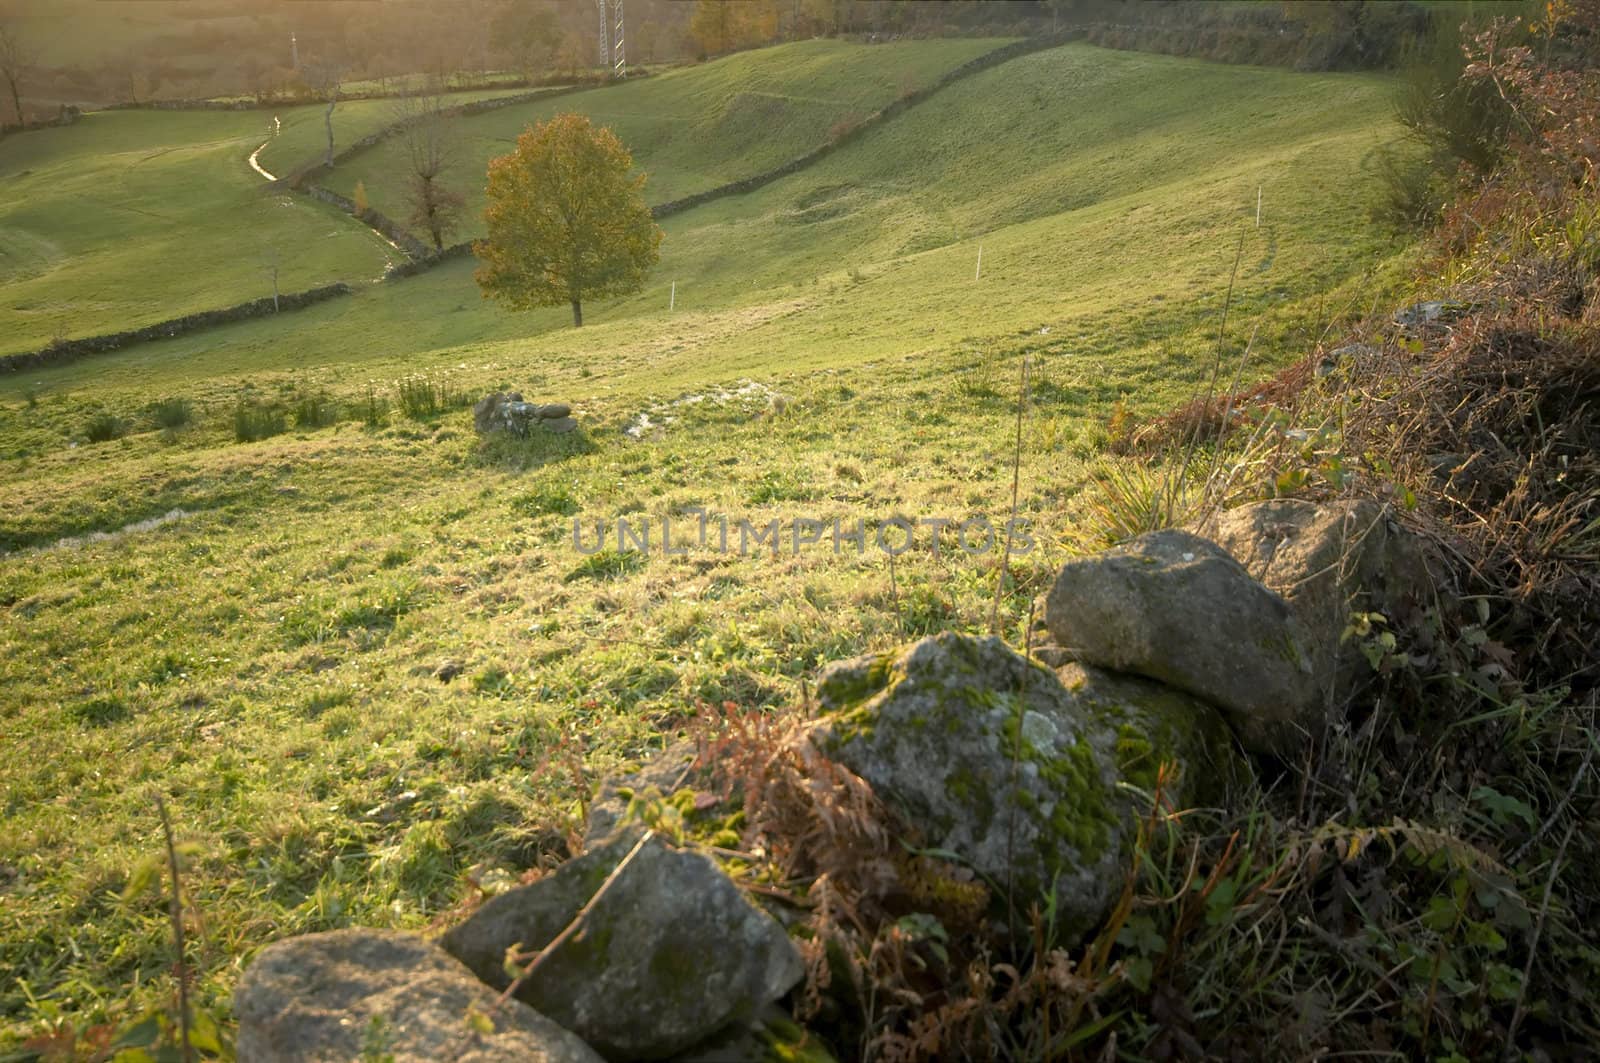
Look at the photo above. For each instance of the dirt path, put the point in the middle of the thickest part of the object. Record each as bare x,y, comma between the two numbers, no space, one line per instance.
255,163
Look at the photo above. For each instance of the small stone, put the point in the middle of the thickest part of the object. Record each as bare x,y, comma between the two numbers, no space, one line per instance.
553,410
1328,561
560,425
665,773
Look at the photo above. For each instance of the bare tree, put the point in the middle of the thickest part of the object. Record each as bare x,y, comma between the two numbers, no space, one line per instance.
16,61
326,79
431,149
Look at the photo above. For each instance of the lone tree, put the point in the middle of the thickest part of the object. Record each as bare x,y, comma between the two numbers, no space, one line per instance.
431,149
325,79
566,221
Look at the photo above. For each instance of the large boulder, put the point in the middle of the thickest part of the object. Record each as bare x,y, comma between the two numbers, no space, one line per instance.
348,994
1018,770
672,953
1179,609
1328,561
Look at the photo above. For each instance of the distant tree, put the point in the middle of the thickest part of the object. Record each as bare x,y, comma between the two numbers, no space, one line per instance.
325,79
576,53
720,26
16,61
431,150
527,36
713,25
567,220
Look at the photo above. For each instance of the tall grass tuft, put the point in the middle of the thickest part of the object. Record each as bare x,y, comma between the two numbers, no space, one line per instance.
422,397
253,422
315,411
173,413
103,427
374,409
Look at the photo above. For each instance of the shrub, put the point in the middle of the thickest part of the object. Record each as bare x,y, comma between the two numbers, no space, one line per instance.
843,128
103,427
252,422
171,413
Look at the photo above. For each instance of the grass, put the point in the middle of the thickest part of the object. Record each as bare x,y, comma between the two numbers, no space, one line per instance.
267,658
697,127
132,217
302,136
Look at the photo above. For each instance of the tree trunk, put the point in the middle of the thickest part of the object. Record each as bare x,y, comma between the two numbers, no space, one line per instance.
328,119
577,314
16,99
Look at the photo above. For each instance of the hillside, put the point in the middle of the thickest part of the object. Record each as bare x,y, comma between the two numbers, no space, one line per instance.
266,649
693,128
131,217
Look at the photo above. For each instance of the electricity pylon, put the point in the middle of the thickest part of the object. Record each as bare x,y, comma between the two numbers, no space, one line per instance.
613,54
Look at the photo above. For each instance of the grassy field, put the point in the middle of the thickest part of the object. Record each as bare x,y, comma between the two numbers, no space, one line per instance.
697,127
263,649
132,217
301,137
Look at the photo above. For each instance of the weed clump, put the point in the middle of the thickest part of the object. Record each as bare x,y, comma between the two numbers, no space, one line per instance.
315,411
172,413
422,397
253,422
104,427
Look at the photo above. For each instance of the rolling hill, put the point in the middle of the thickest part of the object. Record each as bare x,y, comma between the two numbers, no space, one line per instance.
256,626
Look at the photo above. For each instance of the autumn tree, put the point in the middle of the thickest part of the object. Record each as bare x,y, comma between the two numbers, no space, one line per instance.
430,148
719,26
567,220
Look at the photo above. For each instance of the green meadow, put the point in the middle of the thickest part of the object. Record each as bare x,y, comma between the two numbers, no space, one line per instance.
253,628
697,127
132,217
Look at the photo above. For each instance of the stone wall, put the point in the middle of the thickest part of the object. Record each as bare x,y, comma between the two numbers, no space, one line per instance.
64,351
910,99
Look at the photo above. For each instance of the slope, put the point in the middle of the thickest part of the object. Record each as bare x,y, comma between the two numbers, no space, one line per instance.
133,217
694,128
266,650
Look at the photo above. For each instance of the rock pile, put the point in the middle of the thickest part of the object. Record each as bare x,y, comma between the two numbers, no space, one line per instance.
1164,656
508,412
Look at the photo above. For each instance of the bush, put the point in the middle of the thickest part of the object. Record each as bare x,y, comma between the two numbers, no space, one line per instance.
171,413
103,427
1414,190
252,422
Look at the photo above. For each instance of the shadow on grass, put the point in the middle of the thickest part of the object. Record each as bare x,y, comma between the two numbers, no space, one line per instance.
538,448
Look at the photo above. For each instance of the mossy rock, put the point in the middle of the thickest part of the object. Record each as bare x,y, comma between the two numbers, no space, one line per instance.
1033,779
